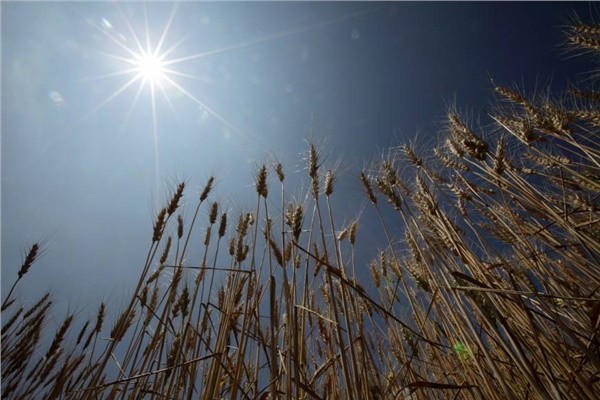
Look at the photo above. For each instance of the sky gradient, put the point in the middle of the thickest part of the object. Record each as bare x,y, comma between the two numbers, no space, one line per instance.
89,154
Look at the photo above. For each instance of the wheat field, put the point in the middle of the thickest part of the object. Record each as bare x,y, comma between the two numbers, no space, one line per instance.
490,292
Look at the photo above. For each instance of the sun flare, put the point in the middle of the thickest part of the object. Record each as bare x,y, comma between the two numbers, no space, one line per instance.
148,61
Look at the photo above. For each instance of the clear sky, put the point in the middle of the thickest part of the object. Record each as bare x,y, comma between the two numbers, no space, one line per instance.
86,141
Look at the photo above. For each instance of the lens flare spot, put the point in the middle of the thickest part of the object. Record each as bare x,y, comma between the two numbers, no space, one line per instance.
56,97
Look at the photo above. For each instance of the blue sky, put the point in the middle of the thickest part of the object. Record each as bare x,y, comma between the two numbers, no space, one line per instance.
87,160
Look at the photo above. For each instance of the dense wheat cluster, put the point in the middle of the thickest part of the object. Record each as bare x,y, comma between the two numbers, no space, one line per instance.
491,293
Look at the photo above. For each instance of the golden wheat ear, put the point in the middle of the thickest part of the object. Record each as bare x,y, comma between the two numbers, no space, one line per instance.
34,253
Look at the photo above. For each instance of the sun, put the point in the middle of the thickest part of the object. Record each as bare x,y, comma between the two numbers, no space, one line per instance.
150,60
151,68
